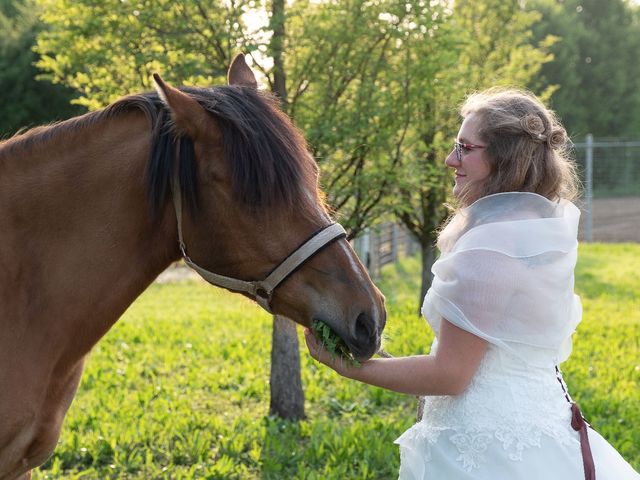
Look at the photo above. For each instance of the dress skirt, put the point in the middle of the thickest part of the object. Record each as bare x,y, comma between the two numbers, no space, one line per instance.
513,422
449,459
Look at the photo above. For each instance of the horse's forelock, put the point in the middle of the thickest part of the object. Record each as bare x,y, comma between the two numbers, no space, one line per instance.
267,155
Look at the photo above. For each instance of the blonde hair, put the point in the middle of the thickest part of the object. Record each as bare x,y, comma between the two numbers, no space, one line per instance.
526,146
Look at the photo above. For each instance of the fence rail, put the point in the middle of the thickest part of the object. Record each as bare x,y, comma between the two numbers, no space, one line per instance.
382,245
610,173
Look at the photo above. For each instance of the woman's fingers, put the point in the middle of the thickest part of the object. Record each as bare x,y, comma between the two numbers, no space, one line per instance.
312,344
321,354
316,350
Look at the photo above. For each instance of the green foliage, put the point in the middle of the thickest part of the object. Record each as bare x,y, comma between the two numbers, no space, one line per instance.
350,72
108,49
178,389
333,343
595,64
25,100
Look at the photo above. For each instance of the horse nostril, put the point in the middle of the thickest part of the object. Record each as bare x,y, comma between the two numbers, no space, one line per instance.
364,328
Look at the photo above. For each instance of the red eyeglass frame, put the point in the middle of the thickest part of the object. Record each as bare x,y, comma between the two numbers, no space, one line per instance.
458,146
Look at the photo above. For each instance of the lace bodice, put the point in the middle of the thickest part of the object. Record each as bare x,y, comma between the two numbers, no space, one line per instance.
508,401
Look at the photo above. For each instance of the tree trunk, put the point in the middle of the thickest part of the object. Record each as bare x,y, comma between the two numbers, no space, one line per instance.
287,396
277,51
428,258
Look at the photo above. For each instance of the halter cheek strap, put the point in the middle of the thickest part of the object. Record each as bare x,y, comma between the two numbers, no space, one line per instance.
261,290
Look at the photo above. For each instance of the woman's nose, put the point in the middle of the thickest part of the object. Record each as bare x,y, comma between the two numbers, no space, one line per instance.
452,159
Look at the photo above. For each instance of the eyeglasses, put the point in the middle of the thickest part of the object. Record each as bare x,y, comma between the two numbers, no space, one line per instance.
458,146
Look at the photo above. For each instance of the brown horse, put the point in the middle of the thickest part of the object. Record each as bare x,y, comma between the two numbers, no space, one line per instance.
88,223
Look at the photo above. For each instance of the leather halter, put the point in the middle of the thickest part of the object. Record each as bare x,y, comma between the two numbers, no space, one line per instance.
260,290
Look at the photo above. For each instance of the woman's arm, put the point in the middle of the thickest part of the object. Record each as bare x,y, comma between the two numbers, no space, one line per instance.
448,372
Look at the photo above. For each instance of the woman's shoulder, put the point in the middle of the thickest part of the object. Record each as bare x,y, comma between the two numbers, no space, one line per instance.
515,223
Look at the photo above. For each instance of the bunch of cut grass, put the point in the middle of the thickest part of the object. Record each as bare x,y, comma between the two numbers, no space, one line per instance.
333,343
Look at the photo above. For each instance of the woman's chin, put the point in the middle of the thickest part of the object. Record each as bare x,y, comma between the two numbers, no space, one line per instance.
458,190
464,196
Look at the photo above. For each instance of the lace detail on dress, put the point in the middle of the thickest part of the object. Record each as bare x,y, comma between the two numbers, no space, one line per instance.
514,440
471,448
507,402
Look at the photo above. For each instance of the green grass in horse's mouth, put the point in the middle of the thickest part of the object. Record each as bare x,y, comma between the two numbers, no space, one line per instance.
333,343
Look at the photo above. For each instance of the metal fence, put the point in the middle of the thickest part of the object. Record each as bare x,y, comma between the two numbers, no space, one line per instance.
382,245
610,173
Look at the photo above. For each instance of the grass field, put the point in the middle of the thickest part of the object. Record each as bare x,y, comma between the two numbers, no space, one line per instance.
178,389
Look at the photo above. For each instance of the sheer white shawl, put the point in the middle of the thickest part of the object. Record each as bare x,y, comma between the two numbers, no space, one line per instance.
506,275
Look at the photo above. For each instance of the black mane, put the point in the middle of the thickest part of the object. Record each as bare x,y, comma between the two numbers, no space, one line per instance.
264,150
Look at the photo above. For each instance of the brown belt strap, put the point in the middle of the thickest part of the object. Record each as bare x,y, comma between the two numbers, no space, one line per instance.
579,425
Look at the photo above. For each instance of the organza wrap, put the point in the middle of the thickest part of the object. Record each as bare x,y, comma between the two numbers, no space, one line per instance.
505,274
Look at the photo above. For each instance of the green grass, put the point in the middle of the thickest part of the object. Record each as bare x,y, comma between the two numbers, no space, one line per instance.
179,388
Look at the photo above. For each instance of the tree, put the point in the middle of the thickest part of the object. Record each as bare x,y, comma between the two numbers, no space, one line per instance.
108,49
24,100
349,95
285,383
595,64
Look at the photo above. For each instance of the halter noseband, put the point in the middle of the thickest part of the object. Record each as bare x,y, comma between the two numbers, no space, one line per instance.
260,290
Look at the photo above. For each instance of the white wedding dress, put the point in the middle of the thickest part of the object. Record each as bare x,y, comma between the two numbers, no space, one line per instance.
506,275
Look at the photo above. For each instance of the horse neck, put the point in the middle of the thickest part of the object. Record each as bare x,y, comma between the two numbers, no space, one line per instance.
79,245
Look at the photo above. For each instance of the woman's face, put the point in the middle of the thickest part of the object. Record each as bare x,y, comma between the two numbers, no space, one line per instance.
469,160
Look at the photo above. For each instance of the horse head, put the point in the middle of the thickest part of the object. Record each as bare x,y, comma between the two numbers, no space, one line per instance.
251,192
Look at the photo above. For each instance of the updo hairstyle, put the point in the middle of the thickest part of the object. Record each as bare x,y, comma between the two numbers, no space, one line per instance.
526,146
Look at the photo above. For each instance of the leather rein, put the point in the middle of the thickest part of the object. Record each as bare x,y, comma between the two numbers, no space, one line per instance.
260,290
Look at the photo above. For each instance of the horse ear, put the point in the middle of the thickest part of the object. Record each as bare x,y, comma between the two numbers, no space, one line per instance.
240,73
187,114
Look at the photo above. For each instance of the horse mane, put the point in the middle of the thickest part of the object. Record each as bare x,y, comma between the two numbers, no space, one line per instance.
265,152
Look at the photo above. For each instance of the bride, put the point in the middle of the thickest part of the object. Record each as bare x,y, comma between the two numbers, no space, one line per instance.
503,310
